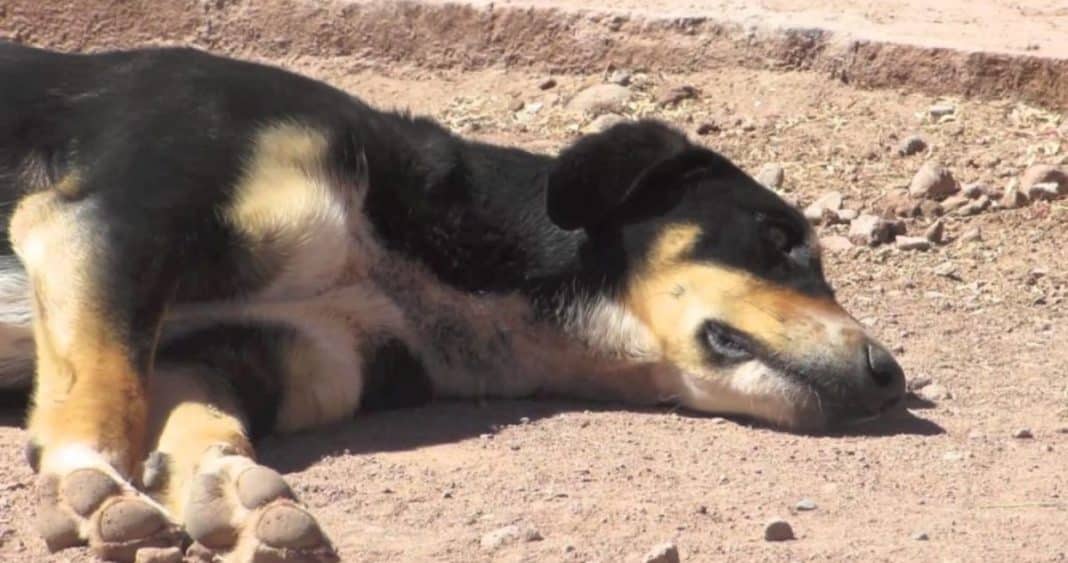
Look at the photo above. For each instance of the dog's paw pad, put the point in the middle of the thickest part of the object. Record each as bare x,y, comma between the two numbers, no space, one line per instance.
91,506
259,485
286,526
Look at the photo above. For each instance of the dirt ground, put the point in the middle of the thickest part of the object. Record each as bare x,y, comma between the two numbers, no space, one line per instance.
983,318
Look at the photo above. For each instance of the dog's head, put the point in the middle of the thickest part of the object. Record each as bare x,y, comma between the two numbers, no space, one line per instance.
724,279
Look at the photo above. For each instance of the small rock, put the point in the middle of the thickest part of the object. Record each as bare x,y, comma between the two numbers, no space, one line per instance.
921,536
1044,174
1043,191
912,243
159,555
778,530
1013,198
940,110
500,537
953,203
975,207
933,181
869,230
899,204
936,233
934,393
708,127
946,270
911,145
604,121
973,190
1023,434
547,84
673,96
972,235
835,243
600,98
663,553
827,204
516,105
772,176
847,215
805,505
620,76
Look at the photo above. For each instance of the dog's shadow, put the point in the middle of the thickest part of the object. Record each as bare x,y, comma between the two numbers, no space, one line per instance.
451,421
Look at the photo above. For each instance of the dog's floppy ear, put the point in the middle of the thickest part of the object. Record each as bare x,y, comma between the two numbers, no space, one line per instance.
626,173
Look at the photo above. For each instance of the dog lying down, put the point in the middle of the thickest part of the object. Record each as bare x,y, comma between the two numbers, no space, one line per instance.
204,251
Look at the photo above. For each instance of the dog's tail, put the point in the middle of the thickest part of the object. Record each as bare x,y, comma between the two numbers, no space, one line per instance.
16,334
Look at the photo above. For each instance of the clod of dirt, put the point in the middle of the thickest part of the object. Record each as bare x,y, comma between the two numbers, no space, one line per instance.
913,144
778,530
973,190
500,537
1023,434
1044,174
921,536
913,243
824,209
1013,198
547,84
869,230
974,234
933,181
835,243
805,505
600,98
940,110
673,96
772,176
159,555
604,121
663,553
936,233
934,393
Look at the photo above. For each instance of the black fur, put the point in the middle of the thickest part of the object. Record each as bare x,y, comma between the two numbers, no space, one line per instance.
394,377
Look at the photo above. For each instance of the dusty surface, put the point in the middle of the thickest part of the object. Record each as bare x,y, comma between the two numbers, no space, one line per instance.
989,49
603,483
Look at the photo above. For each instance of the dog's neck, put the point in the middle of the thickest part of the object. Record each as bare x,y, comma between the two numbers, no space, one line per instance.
475,214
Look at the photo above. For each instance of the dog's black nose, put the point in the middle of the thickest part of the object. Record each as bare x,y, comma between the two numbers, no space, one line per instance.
887,385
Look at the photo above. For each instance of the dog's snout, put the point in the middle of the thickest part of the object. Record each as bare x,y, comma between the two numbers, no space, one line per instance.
887,385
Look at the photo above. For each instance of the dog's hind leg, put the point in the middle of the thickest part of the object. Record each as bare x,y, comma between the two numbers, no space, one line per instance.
94,329
203,468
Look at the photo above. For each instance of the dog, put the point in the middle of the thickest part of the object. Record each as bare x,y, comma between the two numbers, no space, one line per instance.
201,251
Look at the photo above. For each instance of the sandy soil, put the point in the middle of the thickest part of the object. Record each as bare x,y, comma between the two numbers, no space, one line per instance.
604,483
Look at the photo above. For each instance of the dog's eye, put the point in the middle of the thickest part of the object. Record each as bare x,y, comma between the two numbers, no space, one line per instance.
725,343
778,236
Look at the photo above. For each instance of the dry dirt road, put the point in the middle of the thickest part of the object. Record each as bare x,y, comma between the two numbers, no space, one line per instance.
982,317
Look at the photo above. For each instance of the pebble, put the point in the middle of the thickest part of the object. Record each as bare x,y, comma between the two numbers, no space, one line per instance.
1044,174
158,555
899,204
771,176
946,270
1044,191
934,393
1013,197
921,536
778,530
847,215
940,110
975,207
620,76
672,96
805,505
912,243
516,105
869,230
1023,434
604,121
600,98
953,203
911,145
663,553
507,535
825,207
936,233
972,235
933,181
708,127
547,84
973,190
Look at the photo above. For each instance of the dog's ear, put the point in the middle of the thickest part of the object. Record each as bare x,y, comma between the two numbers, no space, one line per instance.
626,173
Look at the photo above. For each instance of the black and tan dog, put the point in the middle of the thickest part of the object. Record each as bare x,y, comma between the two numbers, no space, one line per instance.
209,250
